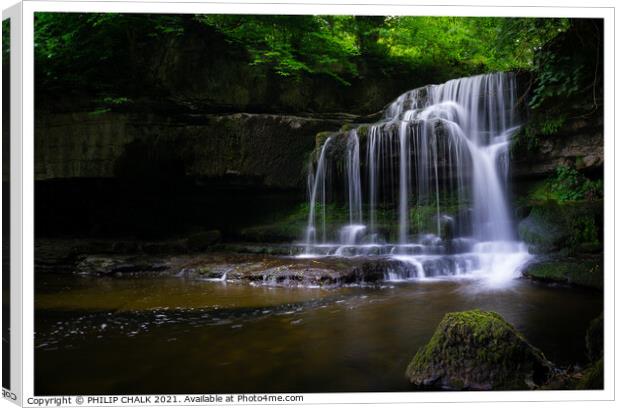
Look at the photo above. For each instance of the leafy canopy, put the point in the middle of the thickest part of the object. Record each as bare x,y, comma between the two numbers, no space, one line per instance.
92,49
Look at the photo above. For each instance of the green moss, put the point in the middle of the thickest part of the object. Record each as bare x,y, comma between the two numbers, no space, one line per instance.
362,133
346,127
540,125
552,226
582,271
321,137
593,377
477,349
204,270
594,338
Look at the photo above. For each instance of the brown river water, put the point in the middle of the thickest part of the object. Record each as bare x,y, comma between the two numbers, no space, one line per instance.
133,335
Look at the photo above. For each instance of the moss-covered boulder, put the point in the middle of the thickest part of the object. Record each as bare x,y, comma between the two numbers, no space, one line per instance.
478,350
593,377
594,338
551,226
586,271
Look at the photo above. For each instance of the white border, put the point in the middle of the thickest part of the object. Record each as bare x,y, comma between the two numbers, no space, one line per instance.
275,7
16,289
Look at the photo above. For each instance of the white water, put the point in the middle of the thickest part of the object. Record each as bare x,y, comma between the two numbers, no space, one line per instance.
440,149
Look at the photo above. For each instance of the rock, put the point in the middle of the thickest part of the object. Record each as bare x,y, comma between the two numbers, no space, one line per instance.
551,226
593,377
478,350
594,339
543,230
584,271
263,149
112,265
574,144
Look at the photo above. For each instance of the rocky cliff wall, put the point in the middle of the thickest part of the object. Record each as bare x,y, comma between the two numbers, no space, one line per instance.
270,150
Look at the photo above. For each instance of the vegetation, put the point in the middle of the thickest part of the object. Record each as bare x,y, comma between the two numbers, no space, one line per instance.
90,50
6,40
567,184
566,83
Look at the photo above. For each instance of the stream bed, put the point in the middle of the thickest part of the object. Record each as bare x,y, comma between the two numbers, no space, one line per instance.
145,334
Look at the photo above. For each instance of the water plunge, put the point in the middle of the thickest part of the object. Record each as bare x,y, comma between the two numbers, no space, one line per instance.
432,191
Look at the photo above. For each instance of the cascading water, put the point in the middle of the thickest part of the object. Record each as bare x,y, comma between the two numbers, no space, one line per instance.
432,192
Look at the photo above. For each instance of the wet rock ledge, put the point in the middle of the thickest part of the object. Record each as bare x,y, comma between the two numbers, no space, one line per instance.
257,268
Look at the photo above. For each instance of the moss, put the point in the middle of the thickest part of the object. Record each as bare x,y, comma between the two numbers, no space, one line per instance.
362,130
205,271
527,139
593,377
551,226
594,338
583,271
478,350
346,127
321,137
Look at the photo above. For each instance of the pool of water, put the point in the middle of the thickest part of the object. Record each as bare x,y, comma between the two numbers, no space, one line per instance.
135,335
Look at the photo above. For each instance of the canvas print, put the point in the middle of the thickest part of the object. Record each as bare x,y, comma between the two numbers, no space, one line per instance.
230,203
6,204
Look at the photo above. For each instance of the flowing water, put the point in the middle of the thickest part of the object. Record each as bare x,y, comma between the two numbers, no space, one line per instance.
99,335
443,147
425,187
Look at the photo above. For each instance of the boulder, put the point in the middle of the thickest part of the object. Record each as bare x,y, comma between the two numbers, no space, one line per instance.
573,226
592,378
594,339
478,350
586,271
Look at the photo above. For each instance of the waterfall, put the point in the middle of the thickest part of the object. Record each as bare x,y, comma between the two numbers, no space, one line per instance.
434,185
316,182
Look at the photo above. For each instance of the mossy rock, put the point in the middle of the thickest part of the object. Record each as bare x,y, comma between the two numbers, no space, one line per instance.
594,338
551,226
478,350
582,271
593,377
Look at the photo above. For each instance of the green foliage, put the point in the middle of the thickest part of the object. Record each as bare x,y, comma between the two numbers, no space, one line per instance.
527,140
96,50
293,44
569,66
583,230
552,125
6,40
481,43
568,184
554,80
89,50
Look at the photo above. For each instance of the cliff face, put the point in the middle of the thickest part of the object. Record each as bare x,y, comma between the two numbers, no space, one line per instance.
269,150
204,118
203,111
579,143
